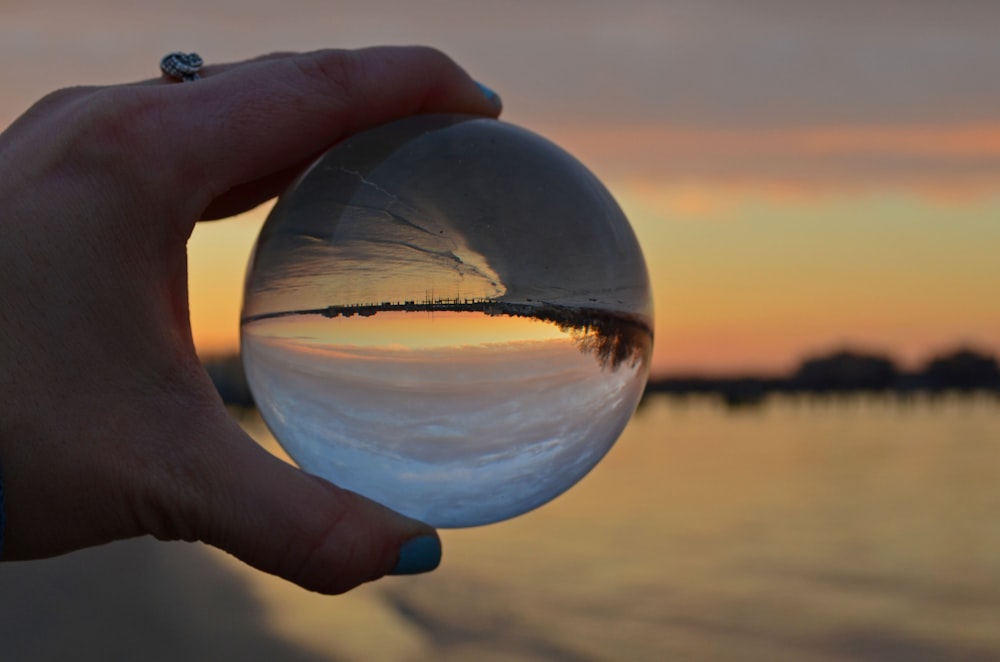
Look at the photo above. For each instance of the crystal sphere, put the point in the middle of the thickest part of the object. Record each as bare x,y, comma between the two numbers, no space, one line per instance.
449,315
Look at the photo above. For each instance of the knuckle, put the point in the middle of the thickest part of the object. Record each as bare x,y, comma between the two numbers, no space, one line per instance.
93,133
436,63
435,56
338,553
55,101
81,126
123,140
119,124
336,73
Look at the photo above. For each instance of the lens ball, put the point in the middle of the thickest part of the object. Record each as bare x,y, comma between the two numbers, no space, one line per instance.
449,315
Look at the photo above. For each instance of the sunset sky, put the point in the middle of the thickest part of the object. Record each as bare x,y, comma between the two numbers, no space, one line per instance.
802,176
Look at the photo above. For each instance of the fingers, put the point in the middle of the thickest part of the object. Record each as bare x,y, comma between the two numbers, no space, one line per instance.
233,138
248,122
288,523
216,69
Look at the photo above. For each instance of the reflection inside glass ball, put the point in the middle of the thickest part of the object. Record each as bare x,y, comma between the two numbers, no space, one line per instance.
449,315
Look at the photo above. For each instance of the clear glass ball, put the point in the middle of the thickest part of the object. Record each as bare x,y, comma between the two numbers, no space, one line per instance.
449,315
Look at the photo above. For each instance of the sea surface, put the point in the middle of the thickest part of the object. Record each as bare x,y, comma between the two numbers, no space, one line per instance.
803,529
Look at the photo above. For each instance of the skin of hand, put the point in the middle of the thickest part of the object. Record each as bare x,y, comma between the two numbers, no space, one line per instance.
109,426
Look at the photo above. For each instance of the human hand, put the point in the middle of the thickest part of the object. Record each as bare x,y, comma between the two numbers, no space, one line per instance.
109,426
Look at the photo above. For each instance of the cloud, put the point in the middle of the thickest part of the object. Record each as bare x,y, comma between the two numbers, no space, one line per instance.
945,160
715,63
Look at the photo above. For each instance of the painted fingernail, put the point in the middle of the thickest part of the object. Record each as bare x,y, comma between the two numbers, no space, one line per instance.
493,97
417,555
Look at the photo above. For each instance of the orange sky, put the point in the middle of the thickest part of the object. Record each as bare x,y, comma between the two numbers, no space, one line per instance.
749,278
800,178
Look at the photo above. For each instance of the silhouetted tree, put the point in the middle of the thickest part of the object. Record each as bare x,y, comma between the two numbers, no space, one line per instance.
611,340
963,370
846,371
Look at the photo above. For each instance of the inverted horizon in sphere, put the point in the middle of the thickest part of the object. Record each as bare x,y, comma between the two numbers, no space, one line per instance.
525,256
454,435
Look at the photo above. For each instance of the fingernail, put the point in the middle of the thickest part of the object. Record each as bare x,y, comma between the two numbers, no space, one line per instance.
493,97
417,555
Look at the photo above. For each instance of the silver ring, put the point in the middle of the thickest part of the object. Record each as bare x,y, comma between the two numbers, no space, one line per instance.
181,66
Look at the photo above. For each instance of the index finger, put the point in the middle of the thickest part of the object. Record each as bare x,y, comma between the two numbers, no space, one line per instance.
247,122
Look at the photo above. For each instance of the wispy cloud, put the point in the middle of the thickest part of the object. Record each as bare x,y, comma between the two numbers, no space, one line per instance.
935,158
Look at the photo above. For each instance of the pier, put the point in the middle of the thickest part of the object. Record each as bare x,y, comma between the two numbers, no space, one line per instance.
613,337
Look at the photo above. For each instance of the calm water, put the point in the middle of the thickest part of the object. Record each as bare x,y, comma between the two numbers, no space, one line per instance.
856,530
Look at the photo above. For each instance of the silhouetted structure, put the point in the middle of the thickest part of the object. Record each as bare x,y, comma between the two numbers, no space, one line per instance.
963,370
612,337
843,372
846,372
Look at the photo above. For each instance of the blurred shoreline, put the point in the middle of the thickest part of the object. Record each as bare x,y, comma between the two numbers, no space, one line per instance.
963,371
845,372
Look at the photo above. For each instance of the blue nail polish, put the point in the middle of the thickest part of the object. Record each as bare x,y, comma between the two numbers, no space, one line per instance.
493,97
417,555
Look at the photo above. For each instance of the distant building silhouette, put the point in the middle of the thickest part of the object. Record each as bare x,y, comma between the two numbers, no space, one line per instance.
845,370
962,370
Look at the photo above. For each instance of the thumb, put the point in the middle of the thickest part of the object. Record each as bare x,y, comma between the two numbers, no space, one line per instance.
288,523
